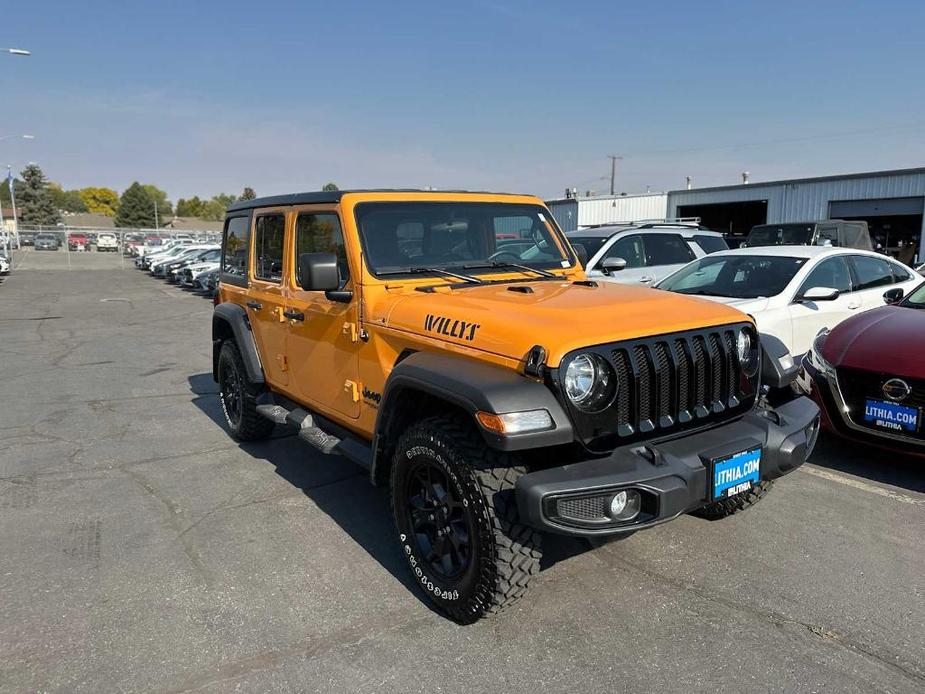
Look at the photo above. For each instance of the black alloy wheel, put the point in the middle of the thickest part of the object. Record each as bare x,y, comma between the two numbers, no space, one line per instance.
439,520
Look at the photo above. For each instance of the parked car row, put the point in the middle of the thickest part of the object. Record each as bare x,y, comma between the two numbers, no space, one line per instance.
182,262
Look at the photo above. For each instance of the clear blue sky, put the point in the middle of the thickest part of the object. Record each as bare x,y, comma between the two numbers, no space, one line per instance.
201,97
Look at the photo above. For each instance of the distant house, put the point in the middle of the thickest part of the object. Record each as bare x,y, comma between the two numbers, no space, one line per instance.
93,220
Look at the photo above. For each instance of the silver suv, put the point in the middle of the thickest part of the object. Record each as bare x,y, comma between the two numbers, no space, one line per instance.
643,253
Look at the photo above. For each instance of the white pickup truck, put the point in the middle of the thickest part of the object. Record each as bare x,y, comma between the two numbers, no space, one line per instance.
107,242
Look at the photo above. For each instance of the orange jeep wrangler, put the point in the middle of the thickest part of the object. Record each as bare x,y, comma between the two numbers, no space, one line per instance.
450,343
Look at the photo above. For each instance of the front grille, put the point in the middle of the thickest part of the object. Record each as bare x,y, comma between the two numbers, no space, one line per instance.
667,383
857,386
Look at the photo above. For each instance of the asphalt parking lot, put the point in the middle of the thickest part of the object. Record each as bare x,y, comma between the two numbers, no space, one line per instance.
142,549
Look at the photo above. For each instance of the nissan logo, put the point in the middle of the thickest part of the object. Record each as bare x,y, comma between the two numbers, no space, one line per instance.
896,389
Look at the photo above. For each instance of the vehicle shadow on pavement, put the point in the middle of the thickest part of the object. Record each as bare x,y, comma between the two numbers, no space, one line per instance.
871,463
342,490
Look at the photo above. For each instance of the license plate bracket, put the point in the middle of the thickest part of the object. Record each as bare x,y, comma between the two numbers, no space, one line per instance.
735,473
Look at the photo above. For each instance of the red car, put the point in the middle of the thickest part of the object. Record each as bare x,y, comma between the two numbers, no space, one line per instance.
78,242
868,375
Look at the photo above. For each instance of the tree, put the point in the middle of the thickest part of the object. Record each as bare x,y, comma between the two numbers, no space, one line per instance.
248,194
66,200
189,208
330,187
100,200
214,210
164,206
18,185
37,205
136,208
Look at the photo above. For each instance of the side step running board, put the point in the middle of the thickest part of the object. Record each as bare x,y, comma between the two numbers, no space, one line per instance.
312,433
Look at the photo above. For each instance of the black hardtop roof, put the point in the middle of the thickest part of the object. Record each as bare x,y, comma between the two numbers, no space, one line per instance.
334,196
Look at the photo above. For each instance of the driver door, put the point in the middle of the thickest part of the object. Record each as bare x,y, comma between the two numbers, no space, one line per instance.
809,317
630,248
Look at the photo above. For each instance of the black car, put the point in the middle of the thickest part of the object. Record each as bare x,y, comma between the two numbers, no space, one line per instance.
47,242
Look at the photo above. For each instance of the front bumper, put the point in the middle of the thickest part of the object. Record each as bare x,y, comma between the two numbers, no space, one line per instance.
671,475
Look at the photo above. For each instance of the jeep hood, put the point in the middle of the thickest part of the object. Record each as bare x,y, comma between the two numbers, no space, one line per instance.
508,319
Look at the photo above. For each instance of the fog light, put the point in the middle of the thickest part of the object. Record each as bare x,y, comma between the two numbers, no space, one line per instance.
624,505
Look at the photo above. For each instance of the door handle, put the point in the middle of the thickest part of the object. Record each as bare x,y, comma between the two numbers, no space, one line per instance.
254,305
854,305
294,315
646,280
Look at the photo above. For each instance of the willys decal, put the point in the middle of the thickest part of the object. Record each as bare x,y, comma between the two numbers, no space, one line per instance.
450,327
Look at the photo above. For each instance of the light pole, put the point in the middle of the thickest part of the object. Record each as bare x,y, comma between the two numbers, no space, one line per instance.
9,178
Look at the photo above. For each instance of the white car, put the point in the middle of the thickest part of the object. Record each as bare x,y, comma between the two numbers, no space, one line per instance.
4,265
793,292
107,242
644,253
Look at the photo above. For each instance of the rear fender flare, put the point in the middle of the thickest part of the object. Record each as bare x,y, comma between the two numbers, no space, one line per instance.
230,320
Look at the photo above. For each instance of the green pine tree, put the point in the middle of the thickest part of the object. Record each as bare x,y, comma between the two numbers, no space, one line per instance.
248,194
35,201
329,187
136,208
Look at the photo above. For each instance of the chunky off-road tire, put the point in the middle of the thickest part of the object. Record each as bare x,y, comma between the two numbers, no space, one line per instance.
239,397
738,502
488,555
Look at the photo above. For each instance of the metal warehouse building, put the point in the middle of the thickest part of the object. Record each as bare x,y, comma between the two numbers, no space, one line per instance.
891,202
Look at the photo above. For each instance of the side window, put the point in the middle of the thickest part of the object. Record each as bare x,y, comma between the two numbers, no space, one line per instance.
235,246
630,249
870,272
832,273
900,274
268,247
666,249
321,233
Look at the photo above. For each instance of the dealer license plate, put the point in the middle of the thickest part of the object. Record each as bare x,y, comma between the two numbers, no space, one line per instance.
736,473
891,415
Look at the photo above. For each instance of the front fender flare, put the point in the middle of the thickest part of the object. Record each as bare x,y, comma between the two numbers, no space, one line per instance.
230,317
472,386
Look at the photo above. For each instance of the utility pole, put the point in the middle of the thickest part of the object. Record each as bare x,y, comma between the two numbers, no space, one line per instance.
9,179
155,214
613,171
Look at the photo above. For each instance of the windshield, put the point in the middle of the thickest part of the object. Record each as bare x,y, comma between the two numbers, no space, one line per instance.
916,299
734,276
466,237
781,235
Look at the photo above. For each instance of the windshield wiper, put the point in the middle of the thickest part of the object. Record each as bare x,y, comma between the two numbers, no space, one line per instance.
431,270
515,266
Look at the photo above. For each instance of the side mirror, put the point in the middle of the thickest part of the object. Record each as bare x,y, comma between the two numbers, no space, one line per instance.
820,294
613,265
582,254
318,273
893,296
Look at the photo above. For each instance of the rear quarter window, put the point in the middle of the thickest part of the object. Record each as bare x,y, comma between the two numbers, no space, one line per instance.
711,244
235,247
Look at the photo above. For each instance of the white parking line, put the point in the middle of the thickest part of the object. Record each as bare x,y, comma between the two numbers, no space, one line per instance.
864,486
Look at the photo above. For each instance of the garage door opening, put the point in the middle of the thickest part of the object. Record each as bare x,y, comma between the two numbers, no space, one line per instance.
733,218
895,223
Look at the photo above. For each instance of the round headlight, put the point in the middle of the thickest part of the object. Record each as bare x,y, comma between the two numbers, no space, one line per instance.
747,348
590,383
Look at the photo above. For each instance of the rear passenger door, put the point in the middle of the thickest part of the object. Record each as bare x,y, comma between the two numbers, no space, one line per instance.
265,302
872,276
664,253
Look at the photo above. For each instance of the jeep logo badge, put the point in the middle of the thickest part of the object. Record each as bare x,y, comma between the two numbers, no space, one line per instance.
896,389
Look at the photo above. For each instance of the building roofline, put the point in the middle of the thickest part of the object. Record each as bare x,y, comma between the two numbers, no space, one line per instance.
335,196
814,179
650,194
